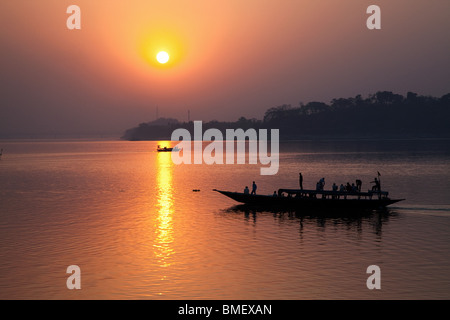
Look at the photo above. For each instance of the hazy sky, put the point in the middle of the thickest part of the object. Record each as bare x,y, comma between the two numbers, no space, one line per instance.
229,58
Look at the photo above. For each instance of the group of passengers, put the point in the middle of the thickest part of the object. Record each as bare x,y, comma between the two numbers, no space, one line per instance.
350,188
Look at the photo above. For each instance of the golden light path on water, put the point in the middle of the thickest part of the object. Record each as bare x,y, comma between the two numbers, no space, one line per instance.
163,249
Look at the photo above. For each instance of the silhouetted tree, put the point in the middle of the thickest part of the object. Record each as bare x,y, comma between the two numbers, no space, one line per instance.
314,107
276,113
386,98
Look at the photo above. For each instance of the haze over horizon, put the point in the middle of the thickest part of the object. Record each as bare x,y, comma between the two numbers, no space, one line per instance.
229,59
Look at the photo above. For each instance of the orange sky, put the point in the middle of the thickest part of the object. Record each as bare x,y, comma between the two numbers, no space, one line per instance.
229,58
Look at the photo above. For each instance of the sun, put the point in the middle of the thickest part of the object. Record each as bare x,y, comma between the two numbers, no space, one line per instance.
162,57
162,48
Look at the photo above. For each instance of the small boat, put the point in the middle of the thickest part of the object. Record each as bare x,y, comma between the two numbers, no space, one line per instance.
313,199
164,149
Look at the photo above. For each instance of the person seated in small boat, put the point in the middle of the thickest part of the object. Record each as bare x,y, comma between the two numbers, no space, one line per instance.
354,189
342,188
246,190
275,194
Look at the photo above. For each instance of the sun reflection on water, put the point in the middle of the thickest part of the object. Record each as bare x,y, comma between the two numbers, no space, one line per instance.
164,229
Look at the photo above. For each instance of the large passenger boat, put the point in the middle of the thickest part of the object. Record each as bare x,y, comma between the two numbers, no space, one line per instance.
315,199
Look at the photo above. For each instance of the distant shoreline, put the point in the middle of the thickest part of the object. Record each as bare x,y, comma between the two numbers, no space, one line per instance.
379,116
336,138
282,139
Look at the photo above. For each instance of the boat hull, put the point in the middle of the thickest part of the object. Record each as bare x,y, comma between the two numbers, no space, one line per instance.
309,203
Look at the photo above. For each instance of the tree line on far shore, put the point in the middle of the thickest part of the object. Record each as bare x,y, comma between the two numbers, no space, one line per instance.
381,114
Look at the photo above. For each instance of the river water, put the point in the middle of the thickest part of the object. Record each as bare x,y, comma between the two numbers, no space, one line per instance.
130,219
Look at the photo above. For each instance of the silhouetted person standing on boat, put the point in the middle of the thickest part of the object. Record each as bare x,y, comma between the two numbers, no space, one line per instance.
358,185
335,189
254,188
377,186
321,184
300,180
